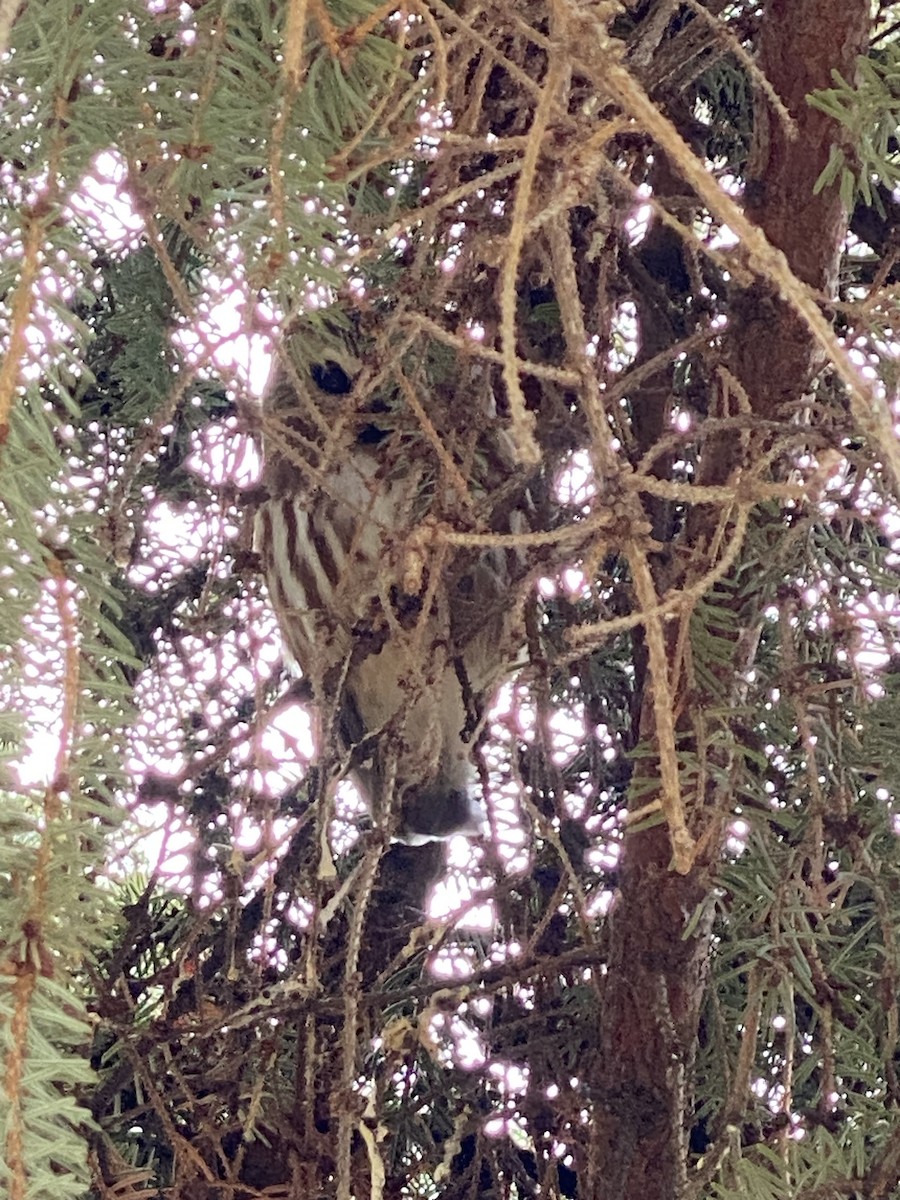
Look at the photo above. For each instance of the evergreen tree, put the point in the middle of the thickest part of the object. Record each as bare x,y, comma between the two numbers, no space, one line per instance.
655,245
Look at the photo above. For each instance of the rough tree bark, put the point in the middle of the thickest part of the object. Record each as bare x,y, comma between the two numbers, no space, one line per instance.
653,986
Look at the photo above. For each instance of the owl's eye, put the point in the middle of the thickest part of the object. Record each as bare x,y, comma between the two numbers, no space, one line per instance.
331,377
371,435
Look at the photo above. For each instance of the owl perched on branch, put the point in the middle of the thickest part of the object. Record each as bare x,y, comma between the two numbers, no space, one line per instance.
402,631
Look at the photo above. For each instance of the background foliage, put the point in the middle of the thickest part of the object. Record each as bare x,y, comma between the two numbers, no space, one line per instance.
621,233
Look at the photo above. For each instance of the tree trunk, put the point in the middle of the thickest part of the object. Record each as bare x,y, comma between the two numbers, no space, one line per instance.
652,987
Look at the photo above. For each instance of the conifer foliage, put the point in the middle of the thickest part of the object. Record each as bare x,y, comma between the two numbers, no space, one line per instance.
650,249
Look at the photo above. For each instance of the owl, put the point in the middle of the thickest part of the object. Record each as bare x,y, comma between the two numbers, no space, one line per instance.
402,632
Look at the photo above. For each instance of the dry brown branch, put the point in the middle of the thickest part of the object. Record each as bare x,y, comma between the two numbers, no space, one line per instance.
21,303
327,29
522,423
486,46
471,348
388,103
580,176
708,1166
731,45
347,1118
870,408
663,706
354,36
448,466
292,74
27,957
675,600
595,402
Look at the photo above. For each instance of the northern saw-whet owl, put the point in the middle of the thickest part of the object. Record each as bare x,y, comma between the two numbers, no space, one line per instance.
402,635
